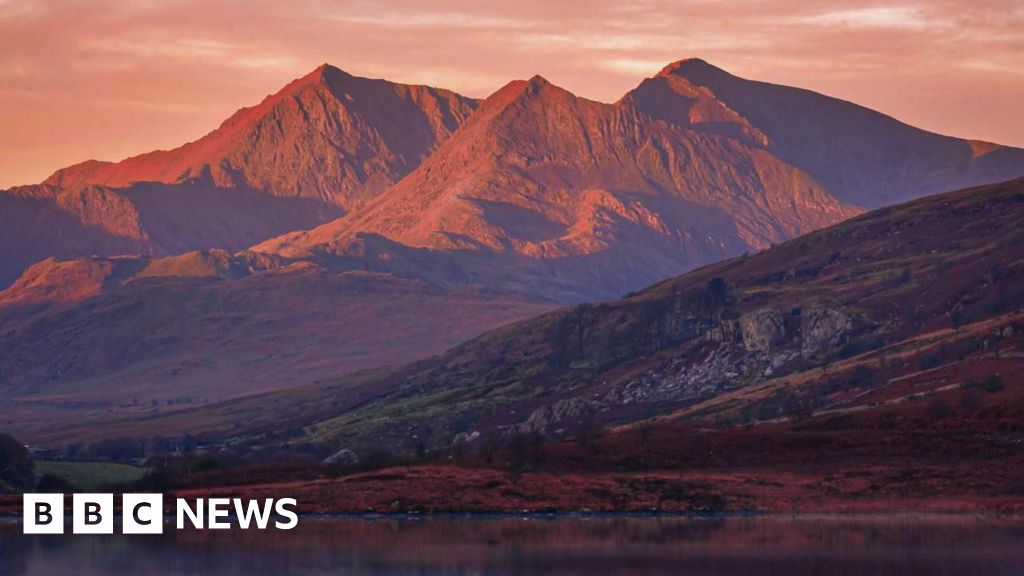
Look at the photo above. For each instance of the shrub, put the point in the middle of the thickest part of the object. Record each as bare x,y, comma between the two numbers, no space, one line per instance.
17,470
992,384
206,463
53,484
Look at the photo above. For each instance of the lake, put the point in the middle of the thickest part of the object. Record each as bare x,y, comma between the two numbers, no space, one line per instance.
929,545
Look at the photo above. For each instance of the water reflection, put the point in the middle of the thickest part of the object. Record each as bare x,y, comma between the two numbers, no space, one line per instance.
908,545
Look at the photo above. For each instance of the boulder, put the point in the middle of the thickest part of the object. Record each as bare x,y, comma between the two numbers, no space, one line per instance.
343,456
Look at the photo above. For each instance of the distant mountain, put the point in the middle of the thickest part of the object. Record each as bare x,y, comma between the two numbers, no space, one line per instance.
578,200
324,144
328,136
589,199
543,191
860,156
152,219
917,302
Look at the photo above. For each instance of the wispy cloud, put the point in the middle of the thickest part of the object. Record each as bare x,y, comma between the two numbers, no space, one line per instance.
894,17
430,20
208,51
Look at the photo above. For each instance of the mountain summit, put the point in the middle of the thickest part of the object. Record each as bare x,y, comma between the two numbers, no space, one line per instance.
860,156
329,136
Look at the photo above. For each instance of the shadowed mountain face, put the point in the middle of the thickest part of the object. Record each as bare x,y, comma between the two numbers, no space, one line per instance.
324,144
860,156
152,219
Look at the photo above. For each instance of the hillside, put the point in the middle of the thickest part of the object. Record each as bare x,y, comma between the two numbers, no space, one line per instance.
150,219
944,271
859,316
107,337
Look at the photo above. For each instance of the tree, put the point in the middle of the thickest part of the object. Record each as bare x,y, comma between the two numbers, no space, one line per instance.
489,446
207,462
17,469
957,318
718,291
590,431
525,453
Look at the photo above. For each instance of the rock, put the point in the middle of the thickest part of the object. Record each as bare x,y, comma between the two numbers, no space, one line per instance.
463,438
343,456
545,417
762,329
725,332
822,328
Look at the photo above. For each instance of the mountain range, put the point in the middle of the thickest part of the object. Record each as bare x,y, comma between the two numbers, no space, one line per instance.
346,223
321,146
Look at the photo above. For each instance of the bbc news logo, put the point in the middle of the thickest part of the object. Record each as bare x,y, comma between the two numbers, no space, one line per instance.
144,513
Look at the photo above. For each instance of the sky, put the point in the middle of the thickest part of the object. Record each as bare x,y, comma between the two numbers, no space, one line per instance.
107,79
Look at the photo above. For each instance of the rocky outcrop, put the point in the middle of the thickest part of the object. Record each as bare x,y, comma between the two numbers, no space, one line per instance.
762,329
343,457
822,328
546,418
759,344
725,331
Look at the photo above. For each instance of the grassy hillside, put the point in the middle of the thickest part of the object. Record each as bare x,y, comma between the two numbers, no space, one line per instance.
91,475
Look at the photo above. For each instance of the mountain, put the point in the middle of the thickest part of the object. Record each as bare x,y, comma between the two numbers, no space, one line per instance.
580,200
920,301
589,199
324,144
541,191
860,156
328,136
152,219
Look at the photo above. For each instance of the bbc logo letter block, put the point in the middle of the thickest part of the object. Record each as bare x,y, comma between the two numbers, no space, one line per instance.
93,514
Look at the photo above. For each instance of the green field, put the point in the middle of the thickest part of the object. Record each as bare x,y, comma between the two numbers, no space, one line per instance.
91,475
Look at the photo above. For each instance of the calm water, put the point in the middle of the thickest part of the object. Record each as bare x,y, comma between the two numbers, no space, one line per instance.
791,546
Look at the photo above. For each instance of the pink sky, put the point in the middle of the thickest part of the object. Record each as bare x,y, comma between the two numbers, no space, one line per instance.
107,79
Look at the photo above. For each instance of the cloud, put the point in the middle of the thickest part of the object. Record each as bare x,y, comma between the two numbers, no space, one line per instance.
894,17
194,49
430,20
